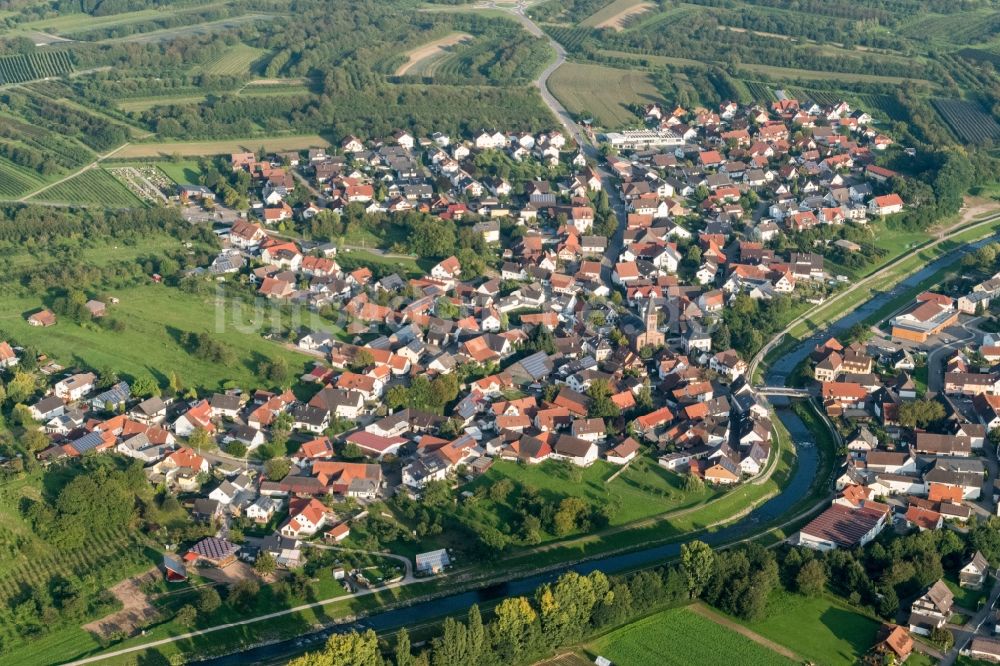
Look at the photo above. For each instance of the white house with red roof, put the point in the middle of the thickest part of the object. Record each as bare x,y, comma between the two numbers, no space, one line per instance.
447,269
198,416
886,204
305,518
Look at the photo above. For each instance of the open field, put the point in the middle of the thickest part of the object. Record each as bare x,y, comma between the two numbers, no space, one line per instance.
186,172
156,318
618,14
642,490
93,186
821,629
602,91
679,637
431,51
199,148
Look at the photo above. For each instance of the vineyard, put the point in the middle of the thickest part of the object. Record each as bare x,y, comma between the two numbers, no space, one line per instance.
16,182
44,64
604,92
967,120
236,60
94,187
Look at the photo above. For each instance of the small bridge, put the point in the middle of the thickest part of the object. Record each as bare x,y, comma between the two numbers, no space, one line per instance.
785,391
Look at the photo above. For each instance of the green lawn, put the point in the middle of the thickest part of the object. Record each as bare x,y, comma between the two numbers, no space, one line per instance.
964,597
605,92
822,629
680,637
155,317
184,172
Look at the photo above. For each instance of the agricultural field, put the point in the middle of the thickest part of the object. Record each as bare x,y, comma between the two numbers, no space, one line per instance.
680,637
223,147
419,59
968,120
91,187
618,14
237,60
15,181
604,92
40,65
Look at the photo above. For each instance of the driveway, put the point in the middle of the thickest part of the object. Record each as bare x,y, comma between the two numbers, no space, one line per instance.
954,338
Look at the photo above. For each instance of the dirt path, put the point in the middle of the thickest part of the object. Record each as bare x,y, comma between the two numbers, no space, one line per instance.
136,610
709,614
431,49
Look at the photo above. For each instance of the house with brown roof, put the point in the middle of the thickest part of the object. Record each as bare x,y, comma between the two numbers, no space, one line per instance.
43,318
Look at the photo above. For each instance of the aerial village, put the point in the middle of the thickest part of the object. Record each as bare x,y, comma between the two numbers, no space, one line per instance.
582,340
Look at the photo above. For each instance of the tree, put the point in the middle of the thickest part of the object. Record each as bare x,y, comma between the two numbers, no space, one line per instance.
208,600
145,386
811,579
698,565
21,387
277,468
35,441
351,649
175,383
920,413
942,638
236,449
402,655
201,439
187,615
509,631
242,593
265,564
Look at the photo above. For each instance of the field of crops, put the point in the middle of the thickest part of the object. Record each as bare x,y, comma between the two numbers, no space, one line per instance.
604,92
40,65
93,186
235,61
968,120
680,637
760,92
15,182
967,27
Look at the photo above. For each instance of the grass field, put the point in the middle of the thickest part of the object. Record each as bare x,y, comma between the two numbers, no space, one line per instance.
642,490
602,91
155,317
680,637
618,14
185,172
91,187
419,57
821,629
199,148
